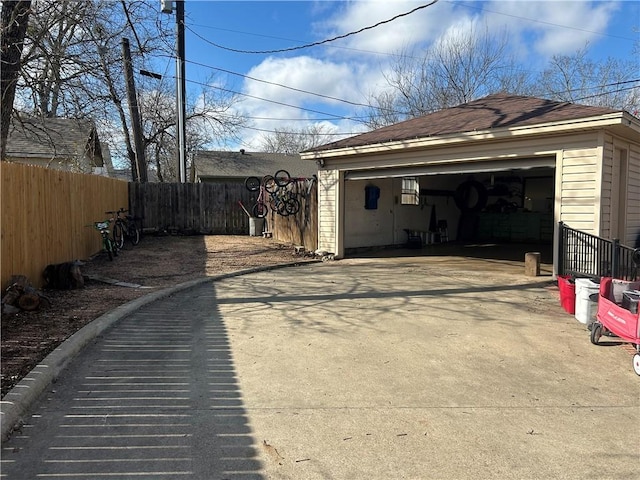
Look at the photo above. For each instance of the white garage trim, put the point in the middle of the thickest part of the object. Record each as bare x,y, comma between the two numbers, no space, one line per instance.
475,167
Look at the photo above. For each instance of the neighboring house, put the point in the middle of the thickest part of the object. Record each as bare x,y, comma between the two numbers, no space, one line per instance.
60,143
235,167
502,168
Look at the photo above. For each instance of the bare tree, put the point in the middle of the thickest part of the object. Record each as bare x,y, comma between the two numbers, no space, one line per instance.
73,67
289,141
578,79
15,19
461,67
209,118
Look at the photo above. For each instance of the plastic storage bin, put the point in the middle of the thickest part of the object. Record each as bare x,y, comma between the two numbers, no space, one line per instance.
630,300
586,300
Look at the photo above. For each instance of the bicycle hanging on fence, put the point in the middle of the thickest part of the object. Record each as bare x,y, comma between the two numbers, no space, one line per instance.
283,193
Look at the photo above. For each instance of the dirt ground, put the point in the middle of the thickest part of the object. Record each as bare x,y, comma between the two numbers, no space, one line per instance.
158,261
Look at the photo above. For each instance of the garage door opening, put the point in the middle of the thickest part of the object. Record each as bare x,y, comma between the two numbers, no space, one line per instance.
466,213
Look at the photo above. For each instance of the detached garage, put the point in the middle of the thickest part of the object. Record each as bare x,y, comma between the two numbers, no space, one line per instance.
500,169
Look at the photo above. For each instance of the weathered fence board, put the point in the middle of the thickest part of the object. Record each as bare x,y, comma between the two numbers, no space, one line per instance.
302,228
191,208
44,213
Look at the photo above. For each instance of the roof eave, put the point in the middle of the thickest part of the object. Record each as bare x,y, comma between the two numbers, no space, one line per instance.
564,126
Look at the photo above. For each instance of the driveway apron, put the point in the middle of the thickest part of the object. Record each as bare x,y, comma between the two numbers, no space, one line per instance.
372,368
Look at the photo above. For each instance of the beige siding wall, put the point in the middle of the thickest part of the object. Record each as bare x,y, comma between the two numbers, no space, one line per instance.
579,180
633,197
620,203
327,209
608,189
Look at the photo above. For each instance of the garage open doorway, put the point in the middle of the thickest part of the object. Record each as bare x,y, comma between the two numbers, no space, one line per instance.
482,213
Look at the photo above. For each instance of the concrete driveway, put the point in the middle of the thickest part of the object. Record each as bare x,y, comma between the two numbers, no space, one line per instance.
383,368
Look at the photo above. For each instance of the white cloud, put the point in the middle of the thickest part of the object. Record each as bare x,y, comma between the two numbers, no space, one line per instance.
549,28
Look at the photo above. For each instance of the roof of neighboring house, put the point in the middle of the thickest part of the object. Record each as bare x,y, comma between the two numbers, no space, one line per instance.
53,139
494,111
242,164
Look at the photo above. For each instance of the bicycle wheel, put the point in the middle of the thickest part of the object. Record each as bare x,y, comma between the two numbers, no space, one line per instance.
282,178
252,183
260,210
292,206
270,184
118,234
106,244
133,232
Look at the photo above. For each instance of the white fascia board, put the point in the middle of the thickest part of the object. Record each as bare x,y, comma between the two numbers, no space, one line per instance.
565,126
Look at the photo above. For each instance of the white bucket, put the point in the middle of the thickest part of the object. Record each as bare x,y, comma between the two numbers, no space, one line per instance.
256,226
586,308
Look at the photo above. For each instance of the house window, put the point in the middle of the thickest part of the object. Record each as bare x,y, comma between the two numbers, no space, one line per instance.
410,191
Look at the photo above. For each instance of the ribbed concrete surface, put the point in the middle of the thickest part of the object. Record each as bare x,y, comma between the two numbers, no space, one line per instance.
371,368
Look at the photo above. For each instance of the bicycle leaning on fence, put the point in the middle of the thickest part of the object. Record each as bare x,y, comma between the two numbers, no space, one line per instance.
108,244
124,226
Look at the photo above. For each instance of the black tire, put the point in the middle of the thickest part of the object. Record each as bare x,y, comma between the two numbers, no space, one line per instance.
118,234
292,205
252,184
596,332
282,178
636,363
464,196
134,233
281,208
260,210
270,184
107,246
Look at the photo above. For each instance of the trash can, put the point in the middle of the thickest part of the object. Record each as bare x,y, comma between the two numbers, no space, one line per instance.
586,300
256,226
567,289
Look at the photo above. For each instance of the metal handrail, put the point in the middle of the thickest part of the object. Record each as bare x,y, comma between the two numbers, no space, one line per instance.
582,254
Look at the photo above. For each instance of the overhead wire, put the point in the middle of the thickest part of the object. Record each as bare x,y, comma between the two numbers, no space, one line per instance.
313,44
483,9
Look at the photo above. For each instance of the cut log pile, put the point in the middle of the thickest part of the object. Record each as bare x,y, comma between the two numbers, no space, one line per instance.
21,295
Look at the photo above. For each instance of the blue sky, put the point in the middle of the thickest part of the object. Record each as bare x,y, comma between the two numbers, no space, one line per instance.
352,68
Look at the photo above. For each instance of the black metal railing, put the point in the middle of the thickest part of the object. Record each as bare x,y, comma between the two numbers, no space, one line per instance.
581,254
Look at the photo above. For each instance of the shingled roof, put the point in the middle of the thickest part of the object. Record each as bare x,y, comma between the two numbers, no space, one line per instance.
242,164
52,139
494,111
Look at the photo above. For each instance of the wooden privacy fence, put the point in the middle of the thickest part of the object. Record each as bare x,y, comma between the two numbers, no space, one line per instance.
44,213
191,208
213,209
302,228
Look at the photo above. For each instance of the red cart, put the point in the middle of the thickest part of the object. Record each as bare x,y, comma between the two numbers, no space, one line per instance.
616,319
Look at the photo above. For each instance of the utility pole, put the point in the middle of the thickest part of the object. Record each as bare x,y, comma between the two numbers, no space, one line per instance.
181,91
167,7
140,163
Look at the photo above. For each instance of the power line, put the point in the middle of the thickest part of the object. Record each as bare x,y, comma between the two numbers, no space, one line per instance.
314,44
328,97
482,9
337,117
358,50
